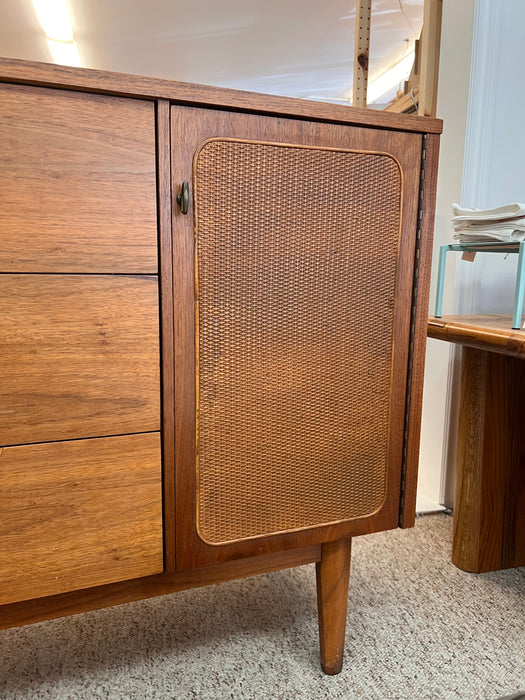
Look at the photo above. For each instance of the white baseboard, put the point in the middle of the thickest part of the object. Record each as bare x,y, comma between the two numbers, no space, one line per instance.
427,505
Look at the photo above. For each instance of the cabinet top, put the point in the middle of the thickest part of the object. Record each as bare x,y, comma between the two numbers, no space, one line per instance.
490,332
103,82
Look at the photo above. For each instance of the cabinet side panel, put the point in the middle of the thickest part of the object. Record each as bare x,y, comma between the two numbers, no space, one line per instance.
77,182
79,513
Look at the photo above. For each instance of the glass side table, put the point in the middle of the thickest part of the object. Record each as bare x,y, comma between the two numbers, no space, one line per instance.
486,247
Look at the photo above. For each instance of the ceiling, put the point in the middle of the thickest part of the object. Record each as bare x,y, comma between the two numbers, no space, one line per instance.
297,48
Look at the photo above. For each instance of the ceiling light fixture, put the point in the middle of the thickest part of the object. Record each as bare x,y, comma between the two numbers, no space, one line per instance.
64,52
390,78
54,17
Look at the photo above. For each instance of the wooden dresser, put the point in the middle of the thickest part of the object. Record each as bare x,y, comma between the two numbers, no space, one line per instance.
214,310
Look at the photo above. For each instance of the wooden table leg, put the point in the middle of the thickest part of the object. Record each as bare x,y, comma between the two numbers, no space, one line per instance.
332,573
489,514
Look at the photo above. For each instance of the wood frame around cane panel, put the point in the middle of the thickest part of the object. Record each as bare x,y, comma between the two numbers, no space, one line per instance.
191,128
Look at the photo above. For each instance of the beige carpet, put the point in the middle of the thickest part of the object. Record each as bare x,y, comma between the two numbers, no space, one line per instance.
418,628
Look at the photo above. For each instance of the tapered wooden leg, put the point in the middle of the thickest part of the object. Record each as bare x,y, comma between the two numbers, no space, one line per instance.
332,573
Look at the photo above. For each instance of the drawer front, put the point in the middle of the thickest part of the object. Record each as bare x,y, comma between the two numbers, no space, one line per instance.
77,182
79,357
78,514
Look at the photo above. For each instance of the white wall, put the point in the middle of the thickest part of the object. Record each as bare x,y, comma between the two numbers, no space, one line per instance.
453,92
482,102
494,171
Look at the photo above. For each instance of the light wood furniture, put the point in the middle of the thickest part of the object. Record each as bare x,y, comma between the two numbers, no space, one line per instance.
489,520
430,50
363,17
421,88
214,310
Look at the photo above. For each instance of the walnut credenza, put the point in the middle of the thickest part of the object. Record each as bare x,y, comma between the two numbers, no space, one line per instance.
214,312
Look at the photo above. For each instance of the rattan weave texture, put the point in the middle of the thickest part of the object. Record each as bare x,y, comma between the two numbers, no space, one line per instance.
296,256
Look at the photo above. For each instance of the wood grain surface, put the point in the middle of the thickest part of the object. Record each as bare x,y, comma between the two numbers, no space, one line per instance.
28,612
332,574
485,332
489,522
77,182
81,520
168,363
190,127
79,513
423,263
79,357
13,70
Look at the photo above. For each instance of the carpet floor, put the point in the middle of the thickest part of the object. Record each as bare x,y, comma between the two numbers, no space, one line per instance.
418,628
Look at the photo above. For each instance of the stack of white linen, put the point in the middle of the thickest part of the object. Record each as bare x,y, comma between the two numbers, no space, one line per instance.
505,224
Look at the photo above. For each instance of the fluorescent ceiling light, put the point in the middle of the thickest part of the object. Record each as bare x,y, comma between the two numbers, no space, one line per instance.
53,15
64,52
391,78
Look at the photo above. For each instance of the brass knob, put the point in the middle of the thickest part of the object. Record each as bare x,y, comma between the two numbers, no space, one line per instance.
183,198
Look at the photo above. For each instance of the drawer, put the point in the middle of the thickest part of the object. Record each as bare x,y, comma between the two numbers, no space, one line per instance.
77,182
78,514
79,357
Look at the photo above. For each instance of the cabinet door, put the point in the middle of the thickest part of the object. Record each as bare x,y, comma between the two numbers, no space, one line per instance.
293,277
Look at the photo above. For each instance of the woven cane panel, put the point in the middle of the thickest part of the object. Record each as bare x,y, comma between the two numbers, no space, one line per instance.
296,252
